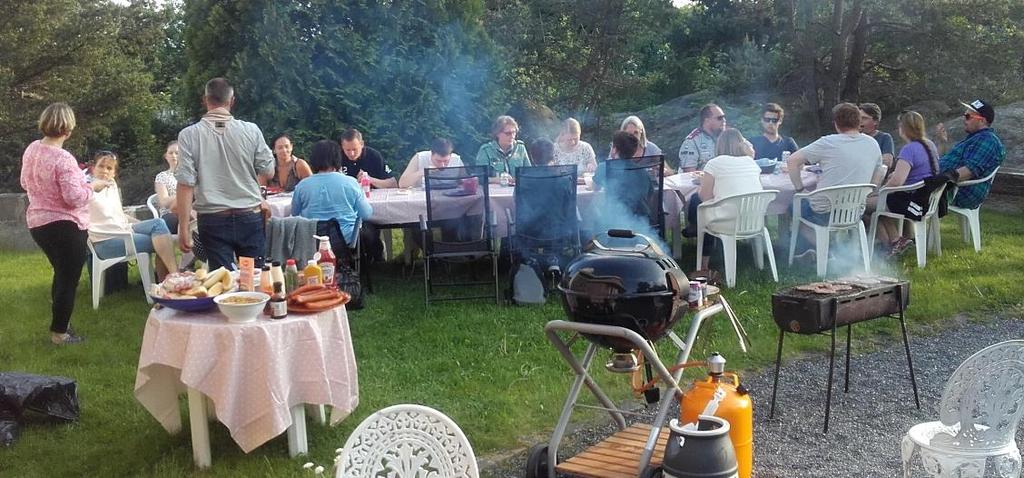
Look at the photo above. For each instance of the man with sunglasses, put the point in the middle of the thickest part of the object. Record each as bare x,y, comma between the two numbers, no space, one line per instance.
771,144
699,146
976,156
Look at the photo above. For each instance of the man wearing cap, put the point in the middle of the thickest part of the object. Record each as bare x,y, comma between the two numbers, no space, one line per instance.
221,159
699,146
976,156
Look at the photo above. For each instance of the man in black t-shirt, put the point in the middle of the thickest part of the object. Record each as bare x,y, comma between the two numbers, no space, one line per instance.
359,161
360,158
770,144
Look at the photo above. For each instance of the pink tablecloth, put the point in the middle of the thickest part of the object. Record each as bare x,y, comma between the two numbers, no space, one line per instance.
253,372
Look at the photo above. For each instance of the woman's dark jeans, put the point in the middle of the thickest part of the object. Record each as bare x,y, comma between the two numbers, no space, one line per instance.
64,245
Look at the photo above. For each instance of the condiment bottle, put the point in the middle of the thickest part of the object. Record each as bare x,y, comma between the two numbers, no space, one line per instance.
266,280
278,303
276,273
364,182
314,275
325,259
291,276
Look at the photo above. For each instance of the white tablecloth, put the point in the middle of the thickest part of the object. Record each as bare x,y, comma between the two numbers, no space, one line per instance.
253,372
404,206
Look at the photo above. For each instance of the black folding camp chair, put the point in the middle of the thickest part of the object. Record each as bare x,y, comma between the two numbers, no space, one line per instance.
637,184
459,226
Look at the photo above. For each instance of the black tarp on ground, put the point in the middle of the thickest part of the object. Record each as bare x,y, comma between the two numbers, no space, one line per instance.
55,397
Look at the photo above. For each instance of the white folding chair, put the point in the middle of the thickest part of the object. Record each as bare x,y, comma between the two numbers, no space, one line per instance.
847,204
970,221
99,267
980,410
736,218
407,440
922,237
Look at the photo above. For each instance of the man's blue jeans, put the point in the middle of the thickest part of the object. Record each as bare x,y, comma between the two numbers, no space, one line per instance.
225,236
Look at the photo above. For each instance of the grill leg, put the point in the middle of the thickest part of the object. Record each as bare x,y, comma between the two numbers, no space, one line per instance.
910,363
846,385
778,363
831,371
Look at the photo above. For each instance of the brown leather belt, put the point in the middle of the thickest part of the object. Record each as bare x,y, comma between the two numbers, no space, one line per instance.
234,212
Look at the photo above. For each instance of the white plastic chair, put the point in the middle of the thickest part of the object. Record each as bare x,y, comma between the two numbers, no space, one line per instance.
151,204
930,221
99,267
980,409
847,208
970,222
407,441
734,218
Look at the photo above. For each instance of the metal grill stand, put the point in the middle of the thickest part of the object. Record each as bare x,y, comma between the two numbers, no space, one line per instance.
835,316
547,456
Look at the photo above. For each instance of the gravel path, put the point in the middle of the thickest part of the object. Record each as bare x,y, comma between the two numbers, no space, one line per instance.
867,424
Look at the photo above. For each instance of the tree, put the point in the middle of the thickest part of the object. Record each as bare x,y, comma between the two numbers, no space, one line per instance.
401,72
87,53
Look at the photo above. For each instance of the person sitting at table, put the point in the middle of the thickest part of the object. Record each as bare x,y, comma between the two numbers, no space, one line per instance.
635,127
770,144
288,170
569,149
732,171
699,146
917,160
361,161
847,157
542,152
107,218
870,116
328,194
504,153
440,155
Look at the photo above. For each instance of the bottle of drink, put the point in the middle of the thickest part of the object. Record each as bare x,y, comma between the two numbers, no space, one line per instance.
364,181
313,273
278,303
325,259
291,276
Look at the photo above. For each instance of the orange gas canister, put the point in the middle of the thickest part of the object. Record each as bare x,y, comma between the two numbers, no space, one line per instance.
736,408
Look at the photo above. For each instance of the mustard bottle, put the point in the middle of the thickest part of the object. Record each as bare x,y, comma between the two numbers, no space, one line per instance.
313,273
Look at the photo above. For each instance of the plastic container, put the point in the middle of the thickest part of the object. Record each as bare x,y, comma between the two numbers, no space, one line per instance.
326,260
364,182
736,408
313,274
291,276
266,280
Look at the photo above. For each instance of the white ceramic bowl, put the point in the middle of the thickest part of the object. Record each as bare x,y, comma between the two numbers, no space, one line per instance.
241,312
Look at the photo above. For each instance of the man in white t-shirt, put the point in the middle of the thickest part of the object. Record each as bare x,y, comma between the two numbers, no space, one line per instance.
847,157
439,156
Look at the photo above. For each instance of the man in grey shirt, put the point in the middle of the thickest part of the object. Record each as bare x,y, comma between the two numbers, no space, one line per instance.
220,160
846,158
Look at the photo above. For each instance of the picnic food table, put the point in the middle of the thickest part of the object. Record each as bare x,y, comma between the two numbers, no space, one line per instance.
257,375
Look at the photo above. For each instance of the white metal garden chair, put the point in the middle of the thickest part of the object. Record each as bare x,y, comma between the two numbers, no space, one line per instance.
929,222
847,207
99,267
407,441
734,218
970,221
980,409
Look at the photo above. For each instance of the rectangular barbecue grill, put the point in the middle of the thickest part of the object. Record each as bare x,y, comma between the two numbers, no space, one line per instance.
822,307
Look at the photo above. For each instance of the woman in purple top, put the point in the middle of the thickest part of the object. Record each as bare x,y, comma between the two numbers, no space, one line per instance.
917,160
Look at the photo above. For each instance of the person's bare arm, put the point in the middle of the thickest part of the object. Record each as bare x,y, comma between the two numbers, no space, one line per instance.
184,200
164,198
707,187
795,163
412,175
385,183
965,173
302,169
899,175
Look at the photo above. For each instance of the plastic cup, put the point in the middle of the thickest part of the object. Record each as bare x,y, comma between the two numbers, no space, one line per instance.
469,185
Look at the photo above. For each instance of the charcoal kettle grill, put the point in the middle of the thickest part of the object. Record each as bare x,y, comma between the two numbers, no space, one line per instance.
623,293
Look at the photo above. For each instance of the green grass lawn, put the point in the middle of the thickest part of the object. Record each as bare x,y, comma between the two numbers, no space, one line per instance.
490,368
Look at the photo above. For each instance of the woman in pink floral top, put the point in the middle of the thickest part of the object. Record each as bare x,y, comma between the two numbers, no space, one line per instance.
58,215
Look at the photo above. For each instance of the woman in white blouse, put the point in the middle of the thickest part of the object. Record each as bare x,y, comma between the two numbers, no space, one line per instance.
107,219
732,171
569,149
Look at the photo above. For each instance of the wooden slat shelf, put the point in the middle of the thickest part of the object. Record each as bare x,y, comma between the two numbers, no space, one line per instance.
616,456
